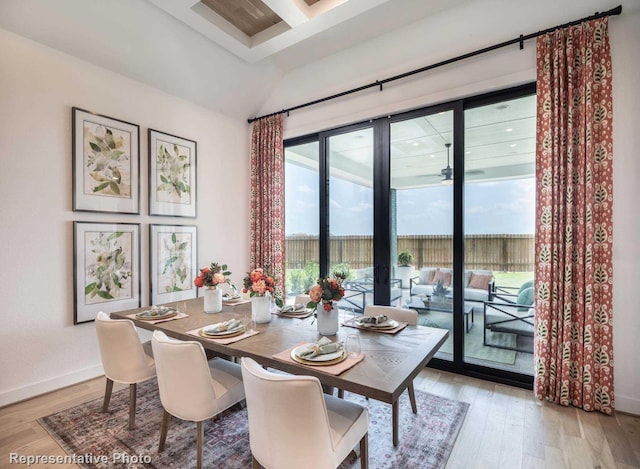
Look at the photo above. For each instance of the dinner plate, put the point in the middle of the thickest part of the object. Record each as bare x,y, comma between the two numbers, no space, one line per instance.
231,298
235,330
340,358
388,324
161,313
297,312
320,358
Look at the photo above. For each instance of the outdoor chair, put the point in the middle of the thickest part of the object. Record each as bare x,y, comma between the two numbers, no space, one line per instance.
509,318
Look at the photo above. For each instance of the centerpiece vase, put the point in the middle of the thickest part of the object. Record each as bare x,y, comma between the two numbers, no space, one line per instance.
328,321
261,308
212,300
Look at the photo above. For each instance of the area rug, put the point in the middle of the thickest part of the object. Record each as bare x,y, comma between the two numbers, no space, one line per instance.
426,439
473,346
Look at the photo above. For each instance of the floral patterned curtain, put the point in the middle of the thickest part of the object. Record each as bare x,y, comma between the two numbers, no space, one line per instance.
574,333
267,198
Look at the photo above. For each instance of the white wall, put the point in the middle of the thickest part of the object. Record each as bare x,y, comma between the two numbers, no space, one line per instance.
470,27
40,348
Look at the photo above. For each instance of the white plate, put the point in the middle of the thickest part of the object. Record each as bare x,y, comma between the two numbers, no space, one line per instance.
320,358
388,324
221,333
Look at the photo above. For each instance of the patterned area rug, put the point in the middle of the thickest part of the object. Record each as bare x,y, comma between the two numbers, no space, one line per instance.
426,439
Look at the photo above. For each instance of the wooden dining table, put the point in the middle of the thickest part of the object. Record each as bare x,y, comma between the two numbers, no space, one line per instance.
390,364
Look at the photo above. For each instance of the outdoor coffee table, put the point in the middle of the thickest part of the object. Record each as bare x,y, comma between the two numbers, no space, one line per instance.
420,306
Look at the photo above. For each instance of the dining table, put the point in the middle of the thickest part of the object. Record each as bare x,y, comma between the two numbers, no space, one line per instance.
391,360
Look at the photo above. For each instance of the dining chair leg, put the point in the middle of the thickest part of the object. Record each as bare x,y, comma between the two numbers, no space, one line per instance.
412,398
107,395
200,439
341,393
394,421
164,428
132,405
364,451
254,463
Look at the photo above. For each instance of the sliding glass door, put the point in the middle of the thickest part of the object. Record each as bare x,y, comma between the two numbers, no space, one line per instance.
430,210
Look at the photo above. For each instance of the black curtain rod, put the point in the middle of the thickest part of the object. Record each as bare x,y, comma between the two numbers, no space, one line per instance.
379,83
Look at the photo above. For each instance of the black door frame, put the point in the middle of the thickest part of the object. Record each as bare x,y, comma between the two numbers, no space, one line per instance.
381,233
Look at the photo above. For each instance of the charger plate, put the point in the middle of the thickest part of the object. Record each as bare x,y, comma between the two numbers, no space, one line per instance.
224,334
320,360
150,316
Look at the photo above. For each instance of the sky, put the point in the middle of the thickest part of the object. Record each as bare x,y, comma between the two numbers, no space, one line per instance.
500,207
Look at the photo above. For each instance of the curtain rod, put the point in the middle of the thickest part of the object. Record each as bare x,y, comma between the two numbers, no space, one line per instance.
379,83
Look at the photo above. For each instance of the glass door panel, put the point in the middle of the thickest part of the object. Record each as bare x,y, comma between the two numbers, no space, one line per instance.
350,208
499,214
421,220
302,214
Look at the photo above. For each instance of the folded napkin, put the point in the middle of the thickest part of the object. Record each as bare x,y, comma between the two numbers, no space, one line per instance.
292,308
381,318
321,347
159,311
223,326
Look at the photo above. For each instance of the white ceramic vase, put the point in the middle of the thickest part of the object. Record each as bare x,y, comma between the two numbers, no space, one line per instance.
328,321
261,308
212,300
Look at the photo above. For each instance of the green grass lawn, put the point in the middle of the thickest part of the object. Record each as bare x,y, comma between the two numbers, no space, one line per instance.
512,279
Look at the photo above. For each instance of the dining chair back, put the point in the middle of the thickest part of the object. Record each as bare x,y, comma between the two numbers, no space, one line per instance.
192,388
410,316
302,299
124,359
292,424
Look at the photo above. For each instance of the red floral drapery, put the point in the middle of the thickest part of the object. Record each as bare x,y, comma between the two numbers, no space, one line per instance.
267,198
574,333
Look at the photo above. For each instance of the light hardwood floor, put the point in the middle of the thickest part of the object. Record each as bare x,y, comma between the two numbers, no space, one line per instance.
504,428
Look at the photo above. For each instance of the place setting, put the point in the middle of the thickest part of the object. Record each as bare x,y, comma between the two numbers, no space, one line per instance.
297,310
330,357
379,323
158,314
225,332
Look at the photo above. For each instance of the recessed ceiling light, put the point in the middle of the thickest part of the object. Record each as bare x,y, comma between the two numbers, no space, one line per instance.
509,130
513,145
431,156
468,152
415,144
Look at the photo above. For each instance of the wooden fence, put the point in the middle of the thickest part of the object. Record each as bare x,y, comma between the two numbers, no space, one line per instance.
497,252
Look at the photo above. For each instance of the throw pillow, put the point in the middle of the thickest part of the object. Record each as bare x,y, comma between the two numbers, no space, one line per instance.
426,276
444,277
525,298
480,281
525,285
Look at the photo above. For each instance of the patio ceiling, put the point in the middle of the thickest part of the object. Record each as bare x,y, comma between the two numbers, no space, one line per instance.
499,144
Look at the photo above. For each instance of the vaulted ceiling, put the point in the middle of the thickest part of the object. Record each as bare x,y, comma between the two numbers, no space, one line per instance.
226,55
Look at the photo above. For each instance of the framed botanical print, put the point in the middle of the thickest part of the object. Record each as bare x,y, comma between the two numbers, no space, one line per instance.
106,268
172,175
106,163
173,262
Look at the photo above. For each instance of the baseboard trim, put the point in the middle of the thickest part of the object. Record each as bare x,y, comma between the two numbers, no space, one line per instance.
32,390
628,405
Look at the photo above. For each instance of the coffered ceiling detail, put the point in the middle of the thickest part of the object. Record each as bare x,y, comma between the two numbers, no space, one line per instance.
256,29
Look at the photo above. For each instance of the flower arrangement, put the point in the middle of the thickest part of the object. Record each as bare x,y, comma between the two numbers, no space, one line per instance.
212,276
258,283
440,289
326,291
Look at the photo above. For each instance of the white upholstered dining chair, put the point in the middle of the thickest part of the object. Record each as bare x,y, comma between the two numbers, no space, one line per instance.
192,388
124,359
407,315
292,424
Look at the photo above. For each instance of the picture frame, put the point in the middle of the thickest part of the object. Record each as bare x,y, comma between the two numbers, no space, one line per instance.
106,268
173,259
106,163
172,175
